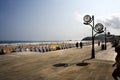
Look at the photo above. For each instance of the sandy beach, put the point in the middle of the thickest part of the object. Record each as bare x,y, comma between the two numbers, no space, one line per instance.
53,47
38,47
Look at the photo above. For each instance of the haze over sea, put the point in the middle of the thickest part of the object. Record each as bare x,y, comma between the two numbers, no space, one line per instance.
37,42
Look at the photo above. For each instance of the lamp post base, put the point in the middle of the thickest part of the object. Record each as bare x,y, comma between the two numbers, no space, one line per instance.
105,47
93,54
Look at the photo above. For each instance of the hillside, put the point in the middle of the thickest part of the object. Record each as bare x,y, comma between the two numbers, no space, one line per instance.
99,37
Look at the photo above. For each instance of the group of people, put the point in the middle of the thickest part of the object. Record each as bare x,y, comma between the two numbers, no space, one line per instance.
79,44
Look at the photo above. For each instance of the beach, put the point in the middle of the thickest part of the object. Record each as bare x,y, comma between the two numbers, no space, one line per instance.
26,47
38,46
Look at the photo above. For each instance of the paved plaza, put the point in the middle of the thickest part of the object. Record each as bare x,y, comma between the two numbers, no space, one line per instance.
68,64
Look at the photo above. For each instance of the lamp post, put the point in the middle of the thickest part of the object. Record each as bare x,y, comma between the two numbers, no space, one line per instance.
109,36
93,50
105,39
98,28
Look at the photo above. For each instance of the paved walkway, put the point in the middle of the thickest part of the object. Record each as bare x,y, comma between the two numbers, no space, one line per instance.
108,54
69,64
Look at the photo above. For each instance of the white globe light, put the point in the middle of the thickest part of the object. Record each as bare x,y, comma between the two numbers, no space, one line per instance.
87,18
99,27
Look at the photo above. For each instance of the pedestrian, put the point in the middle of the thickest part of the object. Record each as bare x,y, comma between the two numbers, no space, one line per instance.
98,43
2,51
77,44
116,72
81,44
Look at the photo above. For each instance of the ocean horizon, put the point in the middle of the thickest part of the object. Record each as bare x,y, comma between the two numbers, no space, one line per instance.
13,42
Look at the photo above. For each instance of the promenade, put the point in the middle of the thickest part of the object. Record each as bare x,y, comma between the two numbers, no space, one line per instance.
67,64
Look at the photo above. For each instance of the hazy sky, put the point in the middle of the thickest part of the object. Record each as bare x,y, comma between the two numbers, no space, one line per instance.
55,19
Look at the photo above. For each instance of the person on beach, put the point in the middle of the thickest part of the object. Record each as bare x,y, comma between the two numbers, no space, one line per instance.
81,44
77,44
116,72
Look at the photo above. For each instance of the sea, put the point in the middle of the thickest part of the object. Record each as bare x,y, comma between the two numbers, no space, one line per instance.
37,42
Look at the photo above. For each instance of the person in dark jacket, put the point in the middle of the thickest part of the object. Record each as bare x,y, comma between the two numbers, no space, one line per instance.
81,44
116,72
77,44
98,43
2,51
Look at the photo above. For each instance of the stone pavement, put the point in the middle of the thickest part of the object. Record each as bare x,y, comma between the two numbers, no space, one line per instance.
108,54
69,64
102,65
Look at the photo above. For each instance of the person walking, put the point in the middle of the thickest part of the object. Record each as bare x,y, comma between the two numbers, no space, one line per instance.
81,44
98,43
116,72
77,45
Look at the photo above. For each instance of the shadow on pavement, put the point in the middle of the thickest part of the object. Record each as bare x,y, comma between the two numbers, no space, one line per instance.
61,65
86,59
82,63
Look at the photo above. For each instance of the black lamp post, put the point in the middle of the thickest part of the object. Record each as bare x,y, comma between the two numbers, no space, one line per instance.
98,28
109,37
105,39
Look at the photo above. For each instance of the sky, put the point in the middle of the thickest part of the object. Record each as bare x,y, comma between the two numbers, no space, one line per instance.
55,19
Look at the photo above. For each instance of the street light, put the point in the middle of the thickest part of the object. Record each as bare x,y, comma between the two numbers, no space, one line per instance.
107,36
98,28
105,39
